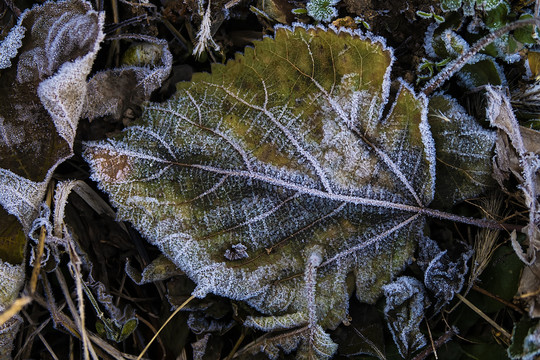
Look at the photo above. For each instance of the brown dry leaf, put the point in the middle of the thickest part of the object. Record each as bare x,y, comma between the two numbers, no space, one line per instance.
517,153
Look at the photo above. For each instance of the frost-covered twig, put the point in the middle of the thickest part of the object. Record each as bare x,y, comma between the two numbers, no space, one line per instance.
204,36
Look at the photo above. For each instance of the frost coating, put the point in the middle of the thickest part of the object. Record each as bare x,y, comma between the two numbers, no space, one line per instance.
12,279
47,86
404,311
237,161
20,196
500,115
110,92
442,277
42,95
464,151
10,45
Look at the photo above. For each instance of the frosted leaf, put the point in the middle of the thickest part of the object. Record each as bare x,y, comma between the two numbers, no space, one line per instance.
285,151
525,153
481,70
20,196
442,277
42,97
44,92
272,323
236,252
320,346
525,340
44,62
10,45
441,42
469,5
464,152
110,92
200,347
8,333
450,5
404,311
11,281
200,323
159,269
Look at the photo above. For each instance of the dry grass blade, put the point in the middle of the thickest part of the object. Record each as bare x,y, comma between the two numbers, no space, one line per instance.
41,243
75,313
62,320
14,309
237,344
163,326
486,239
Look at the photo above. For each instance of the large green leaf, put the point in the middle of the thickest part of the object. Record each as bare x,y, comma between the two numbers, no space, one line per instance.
276,180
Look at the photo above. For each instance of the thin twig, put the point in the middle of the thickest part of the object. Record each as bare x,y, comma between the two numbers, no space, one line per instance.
443,339
497,298
41,243
433,347
163,326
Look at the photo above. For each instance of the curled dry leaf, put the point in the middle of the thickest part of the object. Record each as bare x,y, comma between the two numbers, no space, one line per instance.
44,62
442,276
146,66
43,96
404,311
284,150
44,92
518,154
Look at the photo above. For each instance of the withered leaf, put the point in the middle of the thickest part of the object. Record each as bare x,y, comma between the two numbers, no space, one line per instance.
44,62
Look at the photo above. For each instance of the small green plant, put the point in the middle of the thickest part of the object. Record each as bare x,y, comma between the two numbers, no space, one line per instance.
322,10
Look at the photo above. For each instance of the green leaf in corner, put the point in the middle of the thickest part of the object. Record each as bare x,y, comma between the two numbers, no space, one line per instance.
525,340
